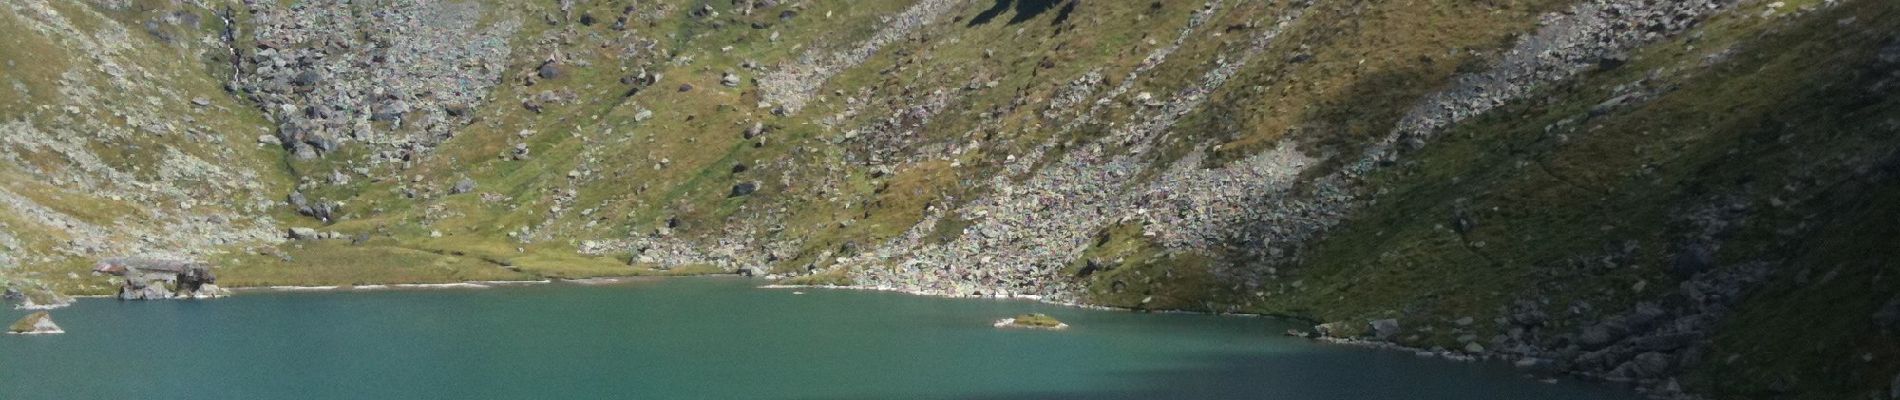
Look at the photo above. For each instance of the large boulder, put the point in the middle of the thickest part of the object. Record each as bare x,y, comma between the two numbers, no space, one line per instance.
744,189
1385,329
39,323
307,78
1645,366
209,291
464,186
304,234
139,288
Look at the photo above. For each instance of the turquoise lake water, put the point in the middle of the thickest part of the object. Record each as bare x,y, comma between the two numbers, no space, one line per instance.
707,338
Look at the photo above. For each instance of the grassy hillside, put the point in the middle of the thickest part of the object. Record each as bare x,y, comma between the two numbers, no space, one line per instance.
1678,194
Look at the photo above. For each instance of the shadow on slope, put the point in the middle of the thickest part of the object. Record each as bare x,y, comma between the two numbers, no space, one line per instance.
1025,10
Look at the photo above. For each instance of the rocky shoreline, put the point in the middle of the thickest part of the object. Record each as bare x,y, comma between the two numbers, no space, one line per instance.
391,286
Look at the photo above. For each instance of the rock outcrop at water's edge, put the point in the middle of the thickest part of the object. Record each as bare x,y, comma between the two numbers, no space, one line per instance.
159,279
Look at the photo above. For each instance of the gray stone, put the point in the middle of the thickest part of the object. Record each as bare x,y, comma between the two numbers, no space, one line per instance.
307,78
1894,392
1890,54
1385,329
1692,259
304,234
463,186
757,129
1889,315
1598,336
1474,347
549,70
1645,366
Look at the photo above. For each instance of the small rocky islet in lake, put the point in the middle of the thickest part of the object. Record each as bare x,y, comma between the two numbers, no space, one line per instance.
1032,321
38,323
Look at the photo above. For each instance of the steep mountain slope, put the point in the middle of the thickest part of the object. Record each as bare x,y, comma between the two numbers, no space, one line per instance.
1690,195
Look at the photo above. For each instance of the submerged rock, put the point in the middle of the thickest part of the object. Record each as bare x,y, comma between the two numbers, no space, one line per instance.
39,323
1032,321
